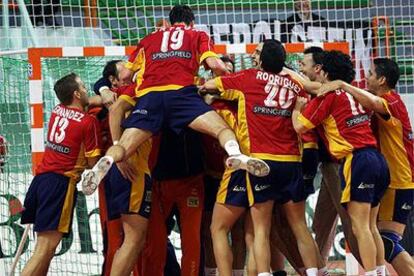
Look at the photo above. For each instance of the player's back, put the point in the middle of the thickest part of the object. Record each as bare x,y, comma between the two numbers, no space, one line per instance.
395,139
346,124
170,58
72,136
267,100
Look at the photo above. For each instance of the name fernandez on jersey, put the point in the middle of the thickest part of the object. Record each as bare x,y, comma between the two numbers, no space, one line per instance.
68,113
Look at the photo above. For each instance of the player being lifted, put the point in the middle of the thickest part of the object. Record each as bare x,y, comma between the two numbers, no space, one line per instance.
72,145
170,58
395,137
345,129
266,98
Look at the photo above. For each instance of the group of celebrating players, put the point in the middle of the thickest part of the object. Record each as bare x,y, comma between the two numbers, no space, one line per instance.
165,133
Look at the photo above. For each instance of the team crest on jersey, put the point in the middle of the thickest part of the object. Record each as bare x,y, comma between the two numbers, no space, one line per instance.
193,201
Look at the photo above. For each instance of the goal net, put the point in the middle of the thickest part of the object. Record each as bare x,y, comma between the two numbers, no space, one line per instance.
369,28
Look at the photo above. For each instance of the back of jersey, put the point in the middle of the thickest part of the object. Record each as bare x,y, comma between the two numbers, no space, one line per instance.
72,136
169,58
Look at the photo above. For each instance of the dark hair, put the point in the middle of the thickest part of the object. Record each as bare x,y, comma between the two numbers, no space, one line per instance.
181,13
226,59
317,54
65,87
338,66
273,56
387,68
110,69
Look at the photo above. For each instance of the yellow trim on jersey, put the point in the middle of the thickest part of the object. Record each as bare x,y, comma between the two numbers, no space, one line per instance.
308,124
93,153
346,192
276,157
138,62
338,146
387,205
67,209
310,145
249,189
128,99
243,128
161,88
207,55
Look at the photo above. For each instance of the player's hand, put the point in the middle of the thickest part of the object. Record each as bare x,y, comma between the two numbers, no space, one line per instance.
202,90
329,87
300,103
127,170
108,97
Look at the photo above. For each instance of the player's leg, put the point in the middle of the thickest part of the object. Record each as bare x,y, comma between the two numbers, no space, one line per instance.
135,228
212,124
295,214
249,239
238,247
326,217
394,210
261,217
145,119
44,251
380,258
360,214
224,217
210,192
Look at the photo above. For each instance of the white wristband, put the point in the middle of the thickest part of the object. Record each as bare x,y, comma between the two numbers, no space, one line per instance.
115,142
103,88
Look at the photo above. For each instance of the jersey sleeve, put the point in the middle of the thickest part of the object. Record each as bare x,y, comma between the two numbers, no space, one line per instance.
91,137
390,117
205,47
136,59
316,111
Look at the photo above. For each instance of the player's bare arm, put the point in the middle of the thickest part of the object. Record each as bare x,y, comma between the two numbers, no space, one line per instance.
310,86
216,65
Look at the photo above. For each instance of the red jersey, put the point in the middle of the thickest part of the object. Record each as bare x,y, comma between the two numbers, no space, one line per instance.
214,153
169,58
346,125
266,102
72,137
395,139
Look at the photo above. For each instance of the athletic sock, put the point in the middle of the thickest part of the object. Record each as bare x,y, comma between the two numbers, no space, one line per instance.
210,271
312,271
264,274
238,272
232,147
381,270
371,273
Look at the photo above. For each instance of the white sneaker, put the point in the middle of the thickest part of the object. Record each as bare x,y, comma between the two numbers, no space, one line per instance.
254,166
91,178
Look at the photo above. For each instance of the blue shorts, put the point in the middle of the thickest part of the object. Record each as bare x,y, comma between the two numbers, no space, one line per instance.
364,176
396,205
50,202
284,183
211,186
286,180
175,109
126,197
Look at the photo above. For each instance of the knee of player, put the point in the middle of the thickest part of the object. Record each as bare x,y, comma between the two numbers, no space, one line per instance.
217,227
392,246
